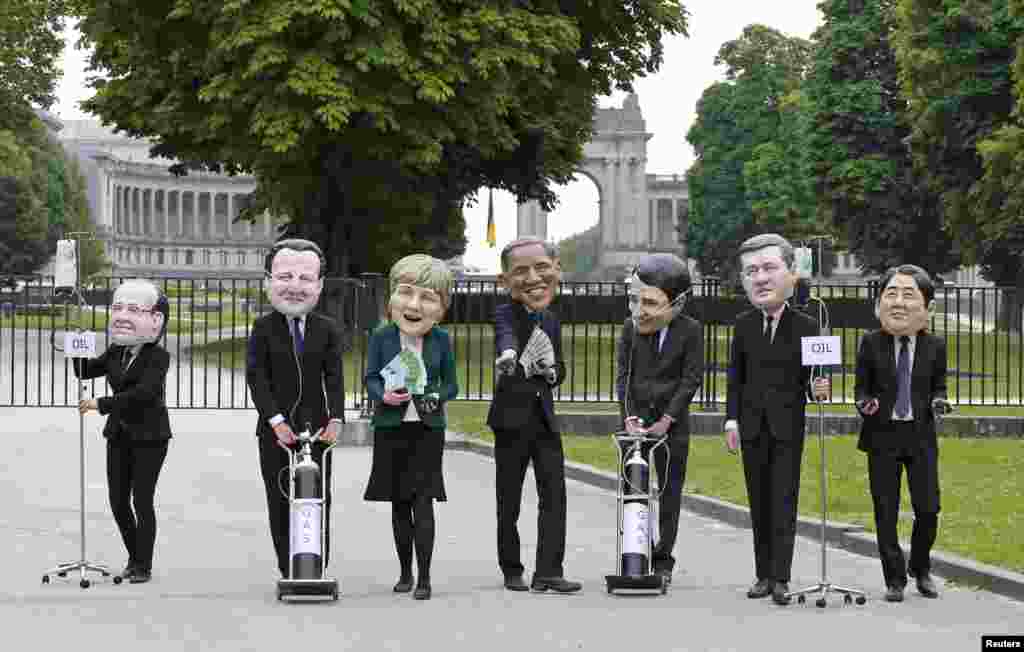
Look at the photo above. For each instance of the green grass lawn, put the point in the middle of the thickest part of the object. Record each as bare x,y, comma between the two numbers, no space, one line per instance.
980,480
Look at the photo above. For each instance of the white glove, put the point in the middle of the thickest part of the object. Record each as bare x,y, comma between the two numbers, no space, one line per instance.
506,362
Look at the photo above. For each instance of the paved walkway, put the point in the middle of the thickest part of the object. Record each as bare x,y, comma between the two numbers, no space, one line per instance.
214,571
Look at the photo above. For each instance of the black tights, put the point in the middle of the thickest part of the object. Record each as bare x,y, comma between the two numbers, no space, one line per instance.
413,524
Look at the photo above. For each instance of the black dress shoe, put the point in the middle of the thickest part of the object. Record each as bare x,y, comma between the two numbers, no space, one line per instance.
403,585
515,583
422,591
140,576
665,574
894,593
760,589
128,569
779,592
926,585
557,584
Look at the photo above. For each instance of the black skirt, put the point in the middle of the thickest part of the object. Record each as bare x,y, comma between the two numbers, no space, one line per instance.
406,463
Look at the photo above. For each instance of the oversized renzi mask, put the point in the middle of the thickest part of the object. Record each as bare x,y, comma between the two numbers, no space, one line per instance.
657,291
295,277
420,293
138,313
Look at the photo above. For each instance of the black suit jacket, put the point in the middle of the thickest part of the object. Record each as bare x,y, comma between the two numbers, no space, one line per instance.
272,372
515,396
138,407
876,378
769,379
650,385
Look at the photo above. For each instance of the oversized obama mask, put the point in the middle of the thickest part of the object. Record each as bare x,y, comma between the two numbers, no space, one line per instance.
420,293
138,313
295,280
530,271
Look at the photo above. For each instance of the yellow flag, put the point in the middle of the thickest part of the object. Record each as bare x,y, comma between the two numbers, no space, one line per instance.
492,238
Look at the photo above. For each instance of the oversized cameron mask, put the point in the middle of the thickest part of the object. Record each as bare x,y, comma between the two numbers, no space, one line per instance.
531,276
138,313
901,307
295,282
419,293
766,277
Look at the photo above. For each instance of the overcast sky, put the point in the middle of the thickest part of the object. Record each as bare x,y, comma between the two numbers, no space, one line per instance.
667,99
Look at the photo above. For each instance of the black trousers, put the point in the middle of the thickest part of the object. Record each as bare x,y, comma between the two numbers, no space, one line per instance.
273,467
885,469
513,451
132,471
771,468
671,468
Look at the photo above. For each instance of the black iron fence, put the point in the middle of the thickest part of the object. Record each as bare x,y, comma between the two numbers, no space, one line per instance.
211,318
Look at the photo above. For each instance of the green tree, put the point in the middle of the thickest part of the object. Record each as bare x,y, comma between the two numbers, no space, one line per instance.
956,60
734,118
859,161
30,49
368,123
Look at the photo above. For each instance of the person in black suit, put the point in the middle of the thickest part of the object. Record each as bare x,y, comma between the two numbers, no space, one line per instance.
294,375
660,368
138,428
528,343
766,399
901,383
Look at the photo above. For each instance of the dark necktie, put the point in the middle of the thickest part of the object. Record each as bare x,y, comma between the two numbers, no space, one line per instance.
768,329
126,357
655,345
903,379
535,318
297,335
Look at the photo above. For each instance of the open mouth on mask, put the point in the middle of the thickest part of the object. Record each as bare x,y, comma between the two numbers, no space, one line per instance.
412,318
537,292
124,326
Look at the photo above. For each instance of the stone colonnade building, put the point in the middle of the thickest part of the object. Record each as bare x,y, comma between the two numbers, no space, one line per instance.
153,223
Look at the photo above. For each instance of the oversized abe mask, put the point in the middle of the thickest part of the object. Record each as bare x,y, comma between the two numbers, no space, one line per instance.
420,293
295,277
657,292
138,313
904,302
766,266
530,272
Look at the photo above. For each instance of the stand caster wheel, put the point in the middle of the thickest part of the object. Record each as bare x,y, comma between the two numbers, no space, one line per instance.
280,596
800,599
664,589
847,599
820,602
105,574
861,599
84,584
62,574
610,592
46,579
118,579
334,596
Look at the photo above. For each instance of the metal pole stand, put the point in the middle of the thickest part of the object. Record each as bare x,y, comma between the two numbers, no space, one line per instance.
824,587
83,565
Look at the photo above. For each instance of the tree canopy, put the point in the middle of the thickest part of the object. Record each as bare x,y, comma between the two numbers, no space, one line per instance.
30,49
371,122
740,139
859,161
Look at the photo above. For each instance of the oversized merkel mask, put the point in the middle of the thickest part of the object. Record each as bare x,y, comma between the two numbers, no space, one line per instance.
138,313
295,282
420,291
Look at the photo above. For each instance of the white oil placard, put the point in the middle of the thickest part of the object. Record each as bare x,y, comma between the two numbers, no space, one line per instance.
80,344
821,350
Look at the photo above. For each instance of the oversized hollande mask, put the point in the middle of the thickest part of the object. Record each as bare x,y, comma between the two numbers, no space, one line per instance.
649,307
135,314
295,282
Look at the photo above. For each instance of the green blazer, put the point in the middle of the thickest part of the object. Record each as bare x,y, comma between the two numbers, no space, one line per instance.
385,344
